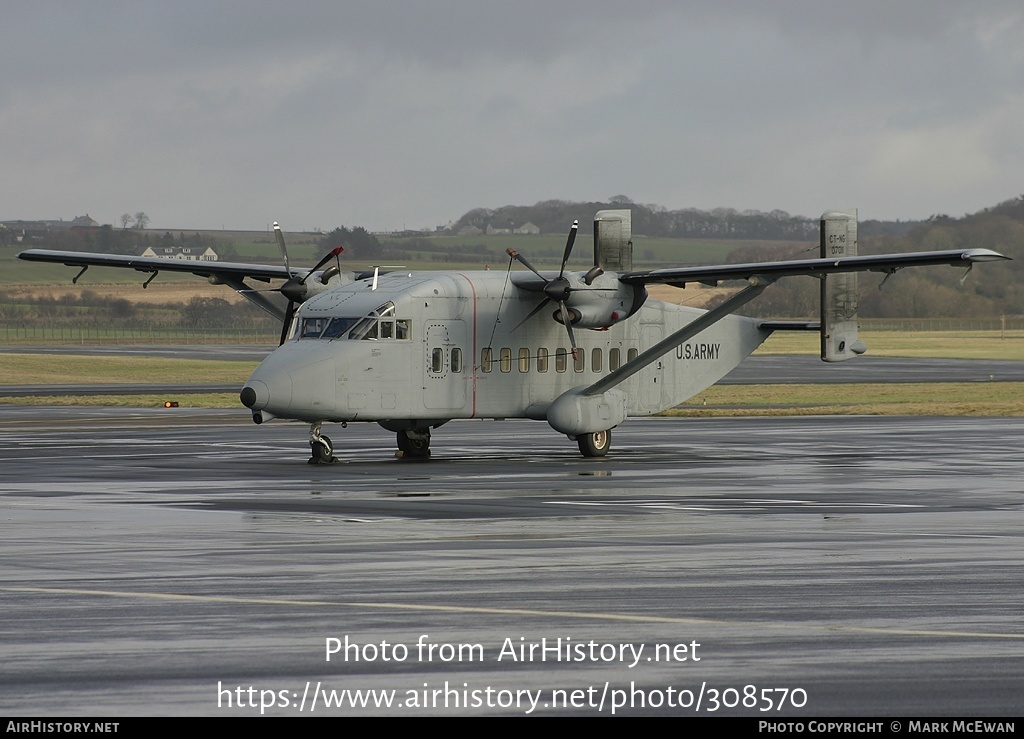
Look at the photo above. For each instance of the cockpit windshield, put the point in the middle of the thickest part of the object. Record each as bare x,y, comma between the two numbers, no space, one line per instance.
380,324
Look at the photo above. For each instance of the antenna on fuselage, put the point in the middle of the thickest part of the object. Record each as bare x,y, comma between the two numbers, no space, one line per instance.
376,272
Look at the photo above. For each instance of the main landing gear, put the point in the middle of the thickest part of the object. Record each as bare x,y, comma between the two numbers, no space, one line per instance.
321,450
596,444
414,443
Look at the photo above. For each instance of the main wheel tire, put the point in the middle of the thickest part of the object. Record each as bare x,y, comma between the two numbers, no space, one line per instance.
595,444
412,447
322,451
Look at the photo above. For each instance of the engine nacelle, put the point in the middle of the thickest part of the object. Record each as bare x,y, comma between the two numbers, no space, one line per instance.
604,302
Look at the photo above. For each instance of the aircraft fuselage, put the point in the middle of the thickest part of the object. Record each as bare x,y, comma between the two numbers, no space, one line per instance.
423,348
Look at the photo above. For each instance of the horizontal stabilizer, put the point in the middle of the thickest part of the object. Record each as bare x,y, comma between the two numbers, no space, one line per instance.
789,325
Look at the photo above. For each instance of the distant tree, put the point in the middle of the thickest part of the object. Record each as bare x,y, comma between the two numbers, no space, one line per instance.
141,220
205,312
121,309
358,242
126,218
105,239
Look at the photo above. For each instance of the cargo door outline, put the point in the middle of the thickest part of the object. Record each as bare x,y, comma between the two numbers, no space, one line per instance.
444,372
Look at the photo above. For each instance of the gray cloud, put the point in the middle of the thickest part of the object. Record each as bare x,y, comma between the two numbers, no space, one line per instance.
392,114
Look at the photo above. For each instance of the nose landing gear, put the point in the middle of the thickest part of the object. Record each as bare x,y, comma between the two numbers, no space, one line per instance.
322,451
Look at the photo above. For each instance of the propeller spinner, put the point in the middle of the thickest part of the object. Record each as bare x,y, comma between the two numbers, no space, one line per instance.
558,289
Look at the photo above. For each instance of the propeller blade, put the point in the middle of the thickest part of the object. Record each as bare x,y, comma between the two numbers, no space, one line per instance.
568,327
289,315
568,246
280,245
522,260
534,312
327,257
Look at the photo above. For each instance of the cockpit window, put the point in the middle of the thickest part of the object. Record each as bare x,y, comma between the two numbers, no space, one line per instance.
380,324
338,327
365,329
313,327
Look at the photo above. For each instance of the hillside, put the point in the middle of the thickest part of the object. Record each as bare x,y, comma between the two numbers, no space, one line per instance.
661,238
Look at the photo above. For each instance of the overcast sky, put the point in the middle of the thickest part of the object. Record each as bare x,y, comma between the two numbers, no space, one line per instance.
391,114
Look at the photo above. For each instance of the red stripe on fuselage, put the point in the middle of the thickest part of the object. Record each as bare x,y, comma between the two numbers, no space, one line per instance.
472,359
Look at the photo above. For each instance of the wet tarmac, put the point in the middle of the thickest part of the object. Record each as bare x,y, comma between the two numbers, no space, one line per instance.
189,562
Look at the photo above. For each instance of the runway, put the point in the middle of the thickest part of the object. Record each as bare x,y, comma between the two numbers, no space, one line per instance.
189,562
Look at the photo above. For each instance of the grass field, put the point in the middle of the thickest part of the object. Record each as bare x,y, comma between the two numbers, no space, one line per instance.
920,344
49,369
905,399
155,400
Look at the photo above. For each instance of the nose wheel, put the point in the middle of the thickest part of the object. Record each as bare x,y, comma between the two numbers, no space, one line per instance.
321,449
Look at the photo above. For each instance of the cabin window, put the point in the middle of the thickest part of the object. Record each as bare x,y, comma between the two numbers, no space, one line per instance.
524,360
403,330
560,360
486,359
613,359
505,359
542,360
581,361
387,329
596,360
437,361
457,360
631,355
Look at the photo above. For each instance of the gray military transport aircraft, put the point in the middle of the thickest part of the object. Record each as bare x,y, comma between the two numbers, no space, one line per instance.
580,350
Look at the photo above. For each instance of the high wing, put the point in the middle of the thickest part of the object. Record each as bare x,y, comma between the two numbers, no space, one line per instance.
236,270
296,287
712,275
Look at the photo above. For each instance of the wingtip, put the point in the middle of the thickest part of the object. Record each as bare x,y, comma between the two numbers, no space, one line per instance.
983,255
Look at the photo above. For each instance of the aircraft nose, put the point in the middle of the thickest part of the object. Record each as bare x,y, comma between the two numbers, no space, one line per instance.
293,382
255,395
